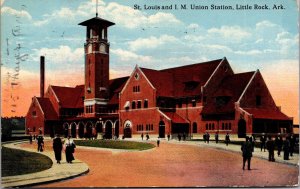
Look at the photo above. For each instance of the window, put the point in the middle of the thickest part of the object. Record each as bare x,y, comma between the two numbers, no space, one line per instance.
223,127
194,103
147,129
33,113
206,126
139,104
89,109
258,100
136,89
152,127
146,103
194,127
213,126
133,104
229,126
226,126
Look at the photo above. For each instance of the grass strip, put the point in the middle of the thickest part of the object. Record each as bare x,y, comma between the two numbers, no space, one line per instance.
19,162
115,144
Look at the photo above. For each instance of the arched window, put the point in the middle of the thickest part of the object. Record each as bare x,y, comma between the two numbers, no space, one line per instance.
194,127
146,103
133,104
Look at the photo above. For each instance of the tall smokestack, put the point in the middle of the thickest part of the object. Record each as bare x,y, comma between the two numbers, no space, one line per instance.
42,75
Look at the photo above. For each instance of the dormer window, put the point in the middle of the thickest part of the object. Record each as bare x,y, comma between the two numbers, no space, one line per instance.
222,100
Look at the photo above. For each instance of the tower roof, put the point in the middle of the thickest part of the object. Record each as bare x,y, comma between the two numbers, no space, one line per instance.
96,21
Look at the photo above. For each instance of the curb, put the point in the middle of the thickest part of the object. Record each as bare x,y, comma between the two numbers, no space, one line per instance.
54,174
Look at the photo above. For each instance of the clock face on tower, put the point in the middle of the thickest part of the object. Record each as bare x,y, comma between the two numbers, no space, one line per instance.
103,48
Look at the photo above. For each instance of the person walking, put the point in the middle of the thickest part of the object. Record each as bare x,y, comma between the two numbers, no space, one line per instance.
69,149
217,137
286,149
247,153
30,139
270,147
207,137
292,144
168,136
227,139
142,136
57,148
179,137
279,143
158,141
147,136
262,143
184,136
40,142
252,143
204,137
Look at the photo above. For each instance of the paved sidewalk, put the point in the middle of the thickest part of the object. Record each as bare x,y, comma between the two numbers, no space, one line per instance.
294,160
55,173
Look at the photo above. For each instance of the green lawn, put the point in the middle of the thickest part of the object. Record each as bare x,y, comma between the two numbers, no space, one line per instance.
19,162
115,144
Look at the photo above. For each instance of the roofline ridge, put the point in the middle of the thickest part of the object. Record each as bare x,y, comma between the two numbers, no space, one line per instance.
247,85
214,72
206,62
40,106
50,87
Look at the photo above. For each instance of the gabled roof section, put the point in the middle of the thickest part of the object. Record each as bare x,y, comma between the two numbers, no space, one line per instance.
181,81
231,87
259,113
47,108
162,82
69,97
96,21
115,87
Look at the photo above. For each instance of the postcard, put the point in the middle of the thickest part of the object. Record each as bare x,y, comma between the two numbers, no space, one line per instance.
150,93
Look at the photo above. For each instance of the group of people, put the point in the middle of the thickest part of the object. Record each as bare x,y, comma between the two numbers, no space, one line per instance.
206,138
268,143
58,146
69,146
147,136
287,146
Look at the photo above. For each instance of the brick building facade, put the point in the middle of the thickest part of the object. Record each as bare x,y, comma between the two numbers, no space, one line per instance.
191,99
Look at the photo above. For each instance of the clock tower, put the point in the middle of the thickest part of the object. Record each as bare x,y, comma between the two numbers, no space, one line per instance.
96,51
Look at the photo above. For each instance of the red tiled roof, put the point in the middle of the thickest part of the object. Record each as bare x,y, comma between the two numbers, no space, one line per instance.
172,81
175,117
115,86
70,97
47,108
274,114
232,86
163,82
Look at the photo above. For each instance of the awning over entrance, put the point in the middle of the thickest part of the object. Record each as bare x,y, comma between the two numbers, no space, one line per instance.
175,118
267,114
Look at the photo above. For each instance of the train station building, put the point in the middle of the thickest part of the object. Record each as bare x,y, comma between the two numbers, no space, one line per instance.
191,99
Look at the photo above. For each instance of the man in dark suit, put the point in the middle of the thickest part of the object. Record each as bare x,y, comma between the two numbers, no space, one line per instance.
57,147
247,152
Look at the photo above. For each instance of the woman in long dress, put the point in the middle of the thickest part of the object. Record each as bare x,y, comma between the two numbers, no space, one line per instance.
69,149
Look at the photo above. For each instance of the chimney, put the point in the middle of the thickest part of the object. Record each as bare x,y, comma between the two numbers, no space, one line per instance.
42,75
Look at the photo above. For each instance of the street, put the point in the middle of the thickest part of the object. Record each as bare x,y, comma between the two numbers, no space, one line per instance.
176,165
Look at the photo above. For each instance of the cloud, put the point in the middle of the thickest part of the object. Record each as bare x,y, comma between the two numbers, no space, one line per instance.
151,42
113,11
128,56
265,24
14,12
233,33
136,18
63,55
